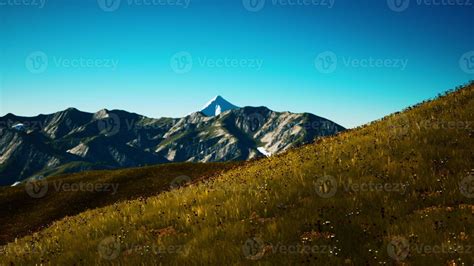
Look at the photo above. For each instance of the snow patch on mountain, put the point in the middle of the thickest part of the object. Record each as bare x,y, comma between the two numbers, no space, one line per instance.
263,151
19,127
218,110
216,106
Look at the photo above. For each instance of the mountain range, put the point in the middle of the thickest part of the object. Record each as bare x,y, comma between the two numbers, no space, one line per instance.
72,140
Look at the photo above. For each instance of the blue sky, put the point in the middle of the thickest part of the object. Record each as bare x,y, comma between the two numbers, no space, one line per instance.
137,56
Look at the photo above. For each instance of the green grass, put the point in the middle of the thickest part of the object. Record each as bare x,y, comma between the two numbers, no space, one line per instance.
21,214
276,205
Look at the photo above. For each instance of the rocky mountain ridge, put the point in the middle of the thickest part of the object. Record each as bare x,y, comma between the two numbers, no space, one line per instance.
72,140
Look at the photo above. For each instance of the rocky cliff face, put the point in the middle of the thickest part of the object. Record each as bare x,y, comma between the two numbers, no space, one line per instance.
71,140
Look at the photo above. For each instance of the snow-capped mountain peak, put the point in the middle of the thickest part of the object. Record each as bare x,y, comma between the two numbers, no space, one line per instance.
217,106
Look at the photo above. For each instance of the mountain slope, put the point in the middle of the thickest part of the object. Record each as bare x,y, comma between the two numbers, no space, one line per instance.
237,134
46,144
398,191
21,214
49,142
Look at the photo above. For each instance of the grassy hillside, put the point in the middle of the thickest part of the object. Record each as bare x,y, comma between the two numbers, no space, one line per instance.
396,191
22,212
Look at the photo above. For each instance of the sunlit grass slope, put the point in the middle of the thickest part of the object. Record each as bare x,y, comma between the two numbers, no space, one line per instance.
22,213
402,196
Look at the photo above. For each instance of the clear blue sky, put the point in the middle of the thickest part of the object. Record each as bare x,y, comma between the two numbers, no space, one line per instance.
286,39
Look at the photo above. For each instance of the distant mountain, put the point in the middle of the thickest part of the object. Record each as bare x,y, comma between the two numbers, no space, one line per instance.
217,106
73,141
